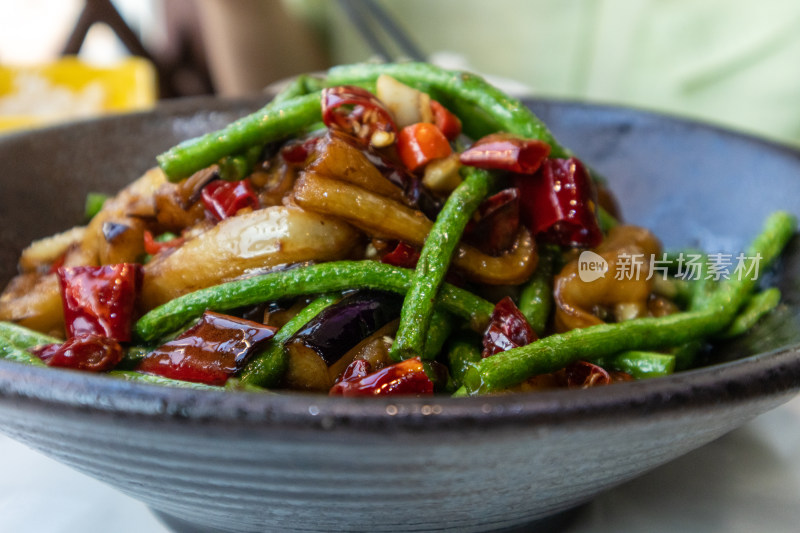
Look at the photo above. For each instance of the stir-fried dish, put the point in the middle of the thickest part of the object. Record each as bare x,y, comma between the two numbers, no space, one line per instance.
385,229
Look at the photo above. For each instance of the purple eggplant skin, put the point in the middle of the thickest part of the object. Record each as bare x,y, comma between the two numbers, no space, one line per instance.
340,327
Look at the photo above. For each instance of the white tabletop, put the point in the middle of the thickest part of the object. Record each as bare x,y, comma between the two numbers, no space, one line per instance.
747,481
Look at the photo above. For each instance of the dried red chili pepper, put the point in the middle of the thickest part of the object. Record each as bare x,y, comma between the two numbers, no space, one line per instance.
209,352
447,122
89,352
582,374
298,152
100,300
223,199
403,255
494,227
405,377
358,112
559,203
504,151
406,256
508,328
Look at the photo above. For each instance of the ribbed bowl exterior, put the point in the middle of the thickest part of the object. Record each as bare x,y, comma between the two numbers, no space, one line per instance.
253,477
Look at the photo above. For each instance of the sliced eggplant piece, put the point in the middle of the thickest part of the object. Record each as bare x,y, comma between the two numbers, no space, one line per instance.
257,241
324,341
373,349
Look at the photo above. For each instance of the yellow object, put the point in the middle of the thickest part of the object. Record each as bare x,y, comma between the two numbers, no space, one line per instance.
70,89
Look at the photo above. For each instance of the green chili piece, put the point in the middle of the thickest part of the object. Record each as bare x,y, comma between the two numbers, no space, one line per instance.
606,220
132,356
235,384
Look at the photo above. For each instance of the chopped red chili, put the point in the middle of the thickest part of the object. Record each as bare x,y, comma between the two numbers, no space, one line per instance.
223,199
356,370
153,246
93,353
421,143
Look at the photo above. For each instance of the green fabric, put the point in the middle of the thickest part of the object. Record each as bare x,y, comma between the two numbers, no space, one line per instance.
732,62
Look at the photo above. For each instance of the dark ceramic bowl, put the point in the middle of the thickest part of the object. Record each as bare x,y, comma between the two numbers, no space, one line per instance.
209,461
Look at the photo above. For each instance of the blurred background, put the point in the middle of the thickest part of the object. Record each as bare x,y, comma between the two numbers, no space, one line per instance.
731,62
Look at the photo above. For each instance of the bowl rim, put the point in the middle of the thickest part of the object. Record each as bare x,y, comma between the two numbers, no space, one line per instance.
772,376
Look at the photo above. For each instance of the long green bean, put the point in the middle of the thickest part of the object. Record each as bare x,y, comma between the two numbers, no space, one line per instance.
462,354
441,327
434,261
536,298
639,364
300,86
759,305
138,377
23,337
313,279
482,107
271,123
687,353
13,352
237,166
556,351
